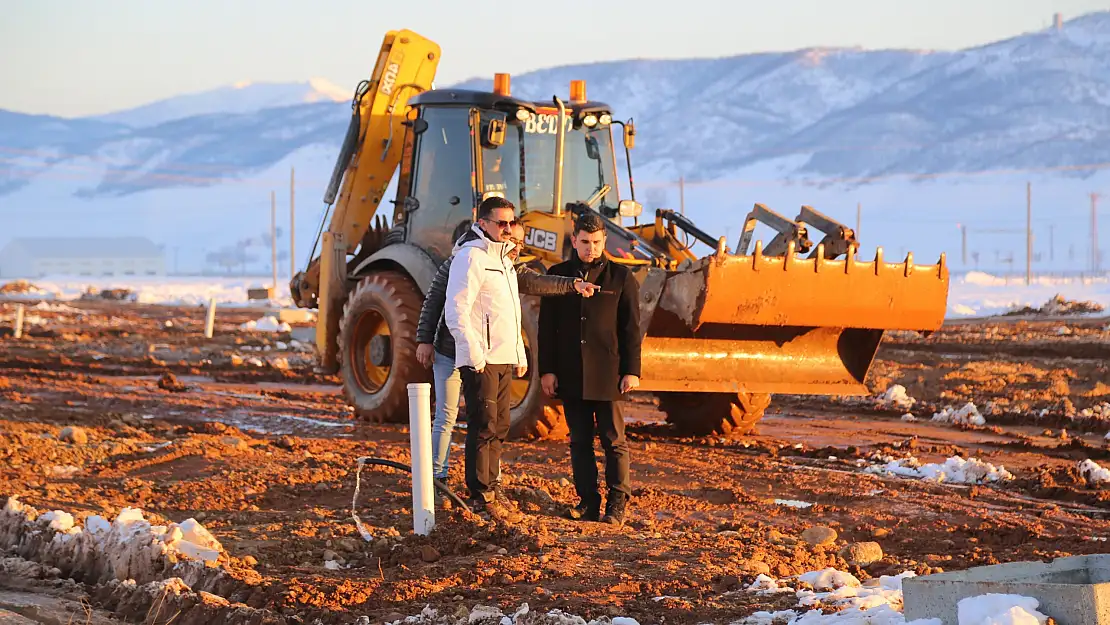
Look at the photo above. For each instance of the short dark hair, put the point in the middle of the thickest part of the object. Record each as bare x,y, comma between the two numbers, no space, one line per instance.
588,222
491,203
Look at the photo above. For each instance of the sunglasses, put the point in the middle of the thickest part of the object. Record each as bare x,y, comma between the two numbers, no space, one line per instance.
502,223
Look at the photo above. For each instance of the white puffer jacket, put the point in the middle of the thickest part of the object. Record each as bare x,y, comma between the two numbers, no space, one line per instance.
483,305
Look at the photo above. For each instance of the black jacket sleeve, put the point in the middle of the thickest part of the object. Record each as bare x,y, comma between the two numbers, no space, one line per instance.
628,326
548,358
432,309
531,282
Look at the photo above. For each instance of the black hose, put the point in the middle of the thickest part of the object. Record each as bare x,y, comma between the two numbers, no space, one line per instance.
440,486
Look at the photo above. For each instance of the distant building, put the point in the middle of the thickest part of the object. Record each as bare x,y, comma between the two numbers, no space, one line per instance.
81,256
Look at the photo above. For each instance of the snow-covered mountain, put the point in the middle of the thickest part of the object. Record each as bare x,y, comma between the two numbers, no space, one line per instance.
923,139
242,97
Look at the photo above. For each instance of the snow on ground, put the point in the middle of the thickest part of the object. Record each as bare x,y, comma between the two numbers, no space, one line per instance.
171,290
129,547
967,415
876,602
998,609
1093,472
974,294
955,470
126,549
977,294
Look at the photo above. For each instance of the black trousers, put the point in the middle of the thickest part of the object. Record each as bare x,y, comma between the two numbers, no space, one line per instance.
584,418
487,425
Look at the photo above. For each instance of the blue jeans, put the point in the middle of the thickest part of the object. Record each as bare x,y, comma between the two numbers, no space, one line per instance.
448,385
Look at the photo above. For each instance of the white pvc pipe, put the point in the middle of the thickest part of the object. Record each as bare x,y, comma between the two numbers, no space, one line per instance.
210,319
420,442
19,321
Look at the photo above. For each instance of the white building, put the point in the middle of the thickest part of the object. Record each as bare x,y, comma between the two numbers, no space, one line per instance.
81,256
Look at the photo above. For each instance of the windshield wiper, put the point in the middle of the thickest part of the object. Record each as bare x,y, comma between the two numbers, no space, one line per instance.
596,197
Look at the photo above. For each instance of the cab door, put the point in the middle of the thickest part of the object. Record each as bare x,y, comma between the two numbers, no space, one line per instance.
441,196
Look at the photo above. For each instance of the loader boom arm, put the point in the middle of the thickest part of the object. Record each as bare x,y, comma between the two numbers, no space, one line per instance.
370,155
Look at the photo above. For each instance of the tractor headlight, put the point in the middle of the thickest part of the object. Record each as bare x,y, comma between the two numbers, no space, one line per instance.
589,121
605,119
523,115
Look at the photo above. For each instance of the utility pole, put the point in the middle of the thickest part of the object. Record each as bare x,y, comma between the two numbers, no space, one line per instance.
859,207
963,243
273,236
682,194
1028,232
292,228
1094,233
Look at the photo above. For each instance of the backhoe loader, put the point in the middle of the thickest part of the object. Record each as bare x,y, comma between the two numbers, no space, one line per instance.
721,333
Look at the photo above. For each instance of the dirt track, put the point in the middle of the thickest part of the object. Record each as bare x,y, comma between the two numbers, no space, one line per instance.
263,451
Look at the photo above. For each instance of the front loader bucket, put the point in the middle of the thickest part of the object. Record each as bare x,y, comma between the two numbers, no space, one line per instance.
781,324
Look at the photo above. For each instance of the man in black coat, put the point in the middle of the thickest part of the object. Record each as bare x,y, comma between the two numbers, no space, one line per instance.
589,357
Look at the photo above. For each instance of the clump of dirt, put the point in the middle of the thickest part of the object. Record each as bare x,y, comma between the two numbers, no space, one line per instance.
169,382
1058,306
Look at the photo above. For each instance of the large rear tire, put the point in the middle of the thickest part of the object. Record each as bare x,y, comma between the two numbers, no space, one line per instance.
721,414
533,414
377,347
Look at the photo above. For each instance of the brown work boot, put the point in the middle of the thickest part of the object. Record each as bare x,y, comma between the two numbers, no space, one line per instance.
614,511
585,512
496,511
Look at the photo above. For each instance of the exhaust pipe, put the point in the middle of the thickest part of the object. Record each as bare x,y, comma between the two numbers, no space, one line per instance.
560,137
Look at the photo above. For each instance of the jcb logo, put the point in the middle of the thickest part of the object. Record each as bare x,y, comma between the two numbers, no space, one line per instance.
543,239
389,77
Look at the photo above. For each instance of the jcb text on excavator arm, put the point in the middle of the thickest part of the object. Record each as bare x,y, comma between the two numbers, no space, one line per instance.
370,155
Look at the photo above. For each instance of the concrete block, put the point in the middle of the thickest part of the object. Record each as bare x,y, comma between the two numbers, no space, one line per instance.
1073,591
297,315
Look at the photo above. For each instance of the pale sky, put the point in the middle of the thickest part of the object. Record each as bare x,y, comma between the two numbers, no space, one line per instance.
86,57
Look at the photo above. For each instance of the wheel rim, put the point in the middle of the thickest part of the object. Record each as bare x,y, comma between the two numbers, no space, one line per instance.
518,389
370,376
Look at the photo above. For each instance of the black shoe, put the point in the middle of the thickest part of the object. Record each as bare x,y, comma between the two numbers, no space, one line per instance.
585,512
614,511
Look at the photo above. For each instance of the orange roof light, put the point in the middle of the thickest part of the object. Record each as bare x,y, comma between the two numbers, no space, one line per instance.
578,91
501,84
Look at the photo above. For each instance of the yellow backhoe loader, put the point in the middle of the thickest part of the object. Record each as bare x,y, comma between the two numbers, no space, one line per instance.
722,333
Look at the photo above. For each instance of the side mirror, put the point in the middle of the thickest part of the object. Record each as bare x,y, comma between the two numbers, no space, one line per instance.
495,133
592,150
630,208
629,135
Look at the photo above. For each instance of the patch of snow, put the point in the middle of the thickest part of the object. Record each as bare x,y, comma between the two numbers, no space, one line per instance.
129,547
897,397
1101,411
1093,471
968,415
999,609
767,585
269,323
954,470
59,521
829,579
793,503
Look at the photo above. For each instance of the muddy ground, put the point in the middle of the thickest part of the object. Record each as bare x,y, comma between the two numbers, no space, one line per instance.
248,440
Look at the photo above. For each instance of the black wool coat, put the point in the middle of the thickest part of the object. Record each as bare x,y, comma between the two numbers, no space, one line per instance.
590,343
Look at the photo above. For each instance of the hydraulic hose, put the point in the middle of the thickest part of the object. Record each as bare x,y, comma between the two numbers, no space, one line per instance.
440,486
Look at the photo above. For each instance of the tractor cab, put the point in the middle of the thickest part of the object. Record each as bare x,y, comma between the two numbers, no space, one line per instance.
464,146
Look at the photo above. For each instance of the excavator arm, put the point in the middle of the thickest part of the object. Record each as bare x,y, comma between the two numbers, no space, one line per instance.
369,157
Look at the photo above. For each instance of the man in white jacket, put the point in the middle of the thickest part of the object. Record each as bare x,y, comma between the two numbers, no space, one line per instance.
483,314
